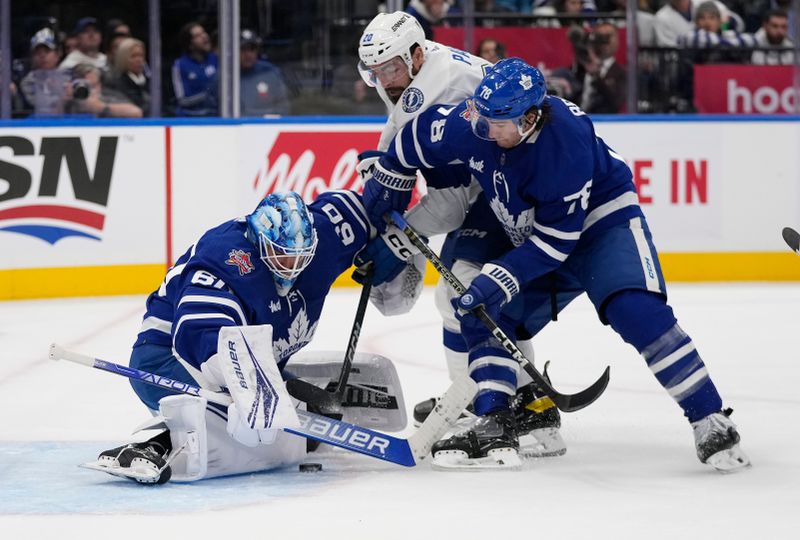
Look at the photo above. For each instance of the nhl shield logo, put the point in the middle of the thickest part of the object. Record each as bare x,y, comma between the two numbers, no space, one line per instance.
413,98
241,260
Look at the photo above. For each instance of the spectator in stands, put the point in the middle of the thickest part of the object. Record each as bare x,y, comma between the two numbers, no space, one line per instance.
116,31
595,81
428,13
563,7
90,97
192,72
262,90
718,45
786,7
115,27
605,82
672,21
645,20
69,43
129,76
45,87
773,34
491,50
89,38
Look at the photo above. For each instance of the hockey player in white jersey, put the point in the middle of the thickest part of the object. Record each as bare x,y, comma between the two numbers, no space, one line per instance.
410,74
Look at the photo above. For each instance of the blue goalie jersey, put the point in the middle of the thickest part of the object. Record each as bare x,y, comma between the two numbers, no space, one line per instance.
221,281
562,184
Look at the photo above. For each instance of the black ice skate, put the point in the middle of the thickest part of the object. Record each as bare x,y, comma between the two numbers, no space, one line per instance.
491,443
717,442
538,423
145,462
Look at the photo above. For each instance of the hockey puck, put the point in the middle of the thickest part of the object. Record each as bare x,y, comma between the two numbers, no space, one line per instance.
310,467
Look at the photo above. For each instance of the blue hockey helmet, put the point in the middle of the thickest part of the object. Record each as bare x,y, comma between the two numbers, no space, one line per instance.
282,228
509,90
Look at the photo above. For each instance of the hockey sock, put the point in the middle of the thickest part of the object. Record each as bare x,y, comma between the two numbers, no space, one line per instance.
496,374
646,321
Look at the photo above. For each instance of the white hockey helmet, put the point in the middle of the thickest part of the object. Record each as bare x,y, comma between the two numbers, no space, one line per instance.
389,35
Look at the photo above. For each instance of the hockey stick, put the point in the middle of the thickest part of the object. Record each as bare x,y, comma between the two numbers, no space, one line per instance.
792,238
351,437
333,402
565,402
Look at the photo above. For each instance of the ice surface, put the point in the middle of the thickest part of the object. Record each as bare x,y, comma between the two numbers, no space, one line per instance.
629,472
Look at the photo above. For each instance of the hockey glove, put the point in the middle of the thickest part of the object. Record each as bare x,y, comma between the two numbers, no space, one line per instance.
389,254
366,163
492,288
385,191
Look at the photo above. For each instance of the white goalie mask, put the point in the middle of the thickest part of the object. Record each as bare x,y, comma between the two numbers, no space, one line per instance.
386,37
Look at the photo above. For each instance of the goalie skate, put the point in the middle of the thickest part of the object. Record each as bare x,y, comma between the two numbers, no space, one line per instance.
491,443
717,443
145,462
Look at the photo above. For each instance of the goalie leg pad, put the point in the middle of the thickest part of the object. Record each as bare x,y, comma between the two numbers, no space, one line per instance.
185,417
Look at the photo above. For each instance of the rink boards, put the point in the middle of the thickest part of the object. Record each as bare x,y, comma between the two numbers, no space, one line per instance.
103,207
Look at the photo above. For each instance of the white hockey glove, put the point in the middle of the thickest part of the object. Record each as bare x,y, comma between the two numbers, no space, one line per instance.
245,363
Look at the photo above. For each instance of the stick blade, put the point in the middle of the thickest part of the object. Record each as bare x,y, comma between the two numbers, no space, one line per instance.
584,398
792,237
314,396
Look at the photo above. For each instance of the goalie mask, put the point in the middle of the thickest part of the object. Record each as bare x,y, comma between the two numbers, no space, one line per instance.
282,228
385,47
504,96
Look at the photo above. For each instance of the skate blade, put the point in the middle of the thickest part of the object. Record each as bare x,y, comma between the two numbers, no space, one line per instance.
729,461
457,460
545,442
139,474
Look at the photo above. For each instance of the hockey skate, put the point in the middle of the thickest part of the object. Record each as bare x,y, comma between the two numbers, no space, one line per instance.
538,423
145,462
490,443
717,442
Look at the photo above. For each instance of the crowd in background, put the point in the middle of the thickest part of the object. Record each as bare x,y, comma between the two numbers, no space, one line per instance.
99,68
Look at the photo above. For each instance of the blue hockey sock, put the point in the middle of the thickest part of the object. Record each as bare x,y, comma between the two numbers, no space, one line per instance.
646,321
496,374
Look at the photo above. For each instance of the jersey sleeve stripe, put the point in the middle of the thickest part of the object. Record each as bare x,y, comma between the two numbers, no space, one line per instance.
398,149
206,316
629,198
206,299
356,208
548,249
417,146
174,272
555,233
154,323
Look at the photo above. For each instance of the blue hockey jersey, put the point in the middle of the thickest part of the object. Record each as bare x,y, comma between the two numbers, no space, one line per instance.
560,185
221,281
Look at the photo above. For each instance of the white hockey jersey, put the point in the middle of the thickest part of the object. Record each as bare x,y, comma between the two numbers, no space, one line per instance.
447,76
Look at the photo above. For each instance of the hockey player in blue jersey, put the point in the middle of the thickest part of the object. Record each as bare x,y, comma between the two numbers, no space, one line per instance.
273,267
568,204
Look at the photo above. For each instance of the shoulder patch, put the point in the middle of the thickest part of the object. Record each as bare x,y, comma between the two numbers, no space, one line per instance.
413,98
240,259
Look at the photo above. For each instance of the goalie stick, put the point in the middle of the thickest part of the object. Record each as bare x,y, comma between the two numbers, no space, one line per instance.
331,403
565,402
407,452
792,237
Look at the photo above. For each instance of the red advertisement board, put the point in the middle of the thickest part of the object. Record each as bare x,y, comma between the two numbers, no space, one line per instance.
735,89
541,47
